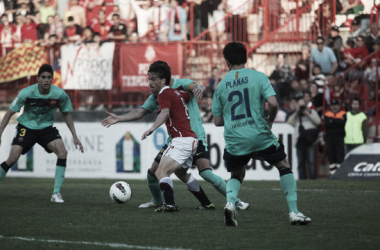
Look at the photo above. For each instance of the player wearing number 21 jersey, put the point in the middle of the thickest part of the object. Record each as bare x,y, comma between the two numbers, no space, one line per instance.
238,91
238,105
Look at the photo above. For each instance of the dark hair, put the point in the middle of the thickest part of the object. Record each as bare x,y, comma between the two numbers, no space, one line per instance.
235,53
306,92
116,15
351,42
45,68
96,34
356,99
317,66
320,38
162,69
70,18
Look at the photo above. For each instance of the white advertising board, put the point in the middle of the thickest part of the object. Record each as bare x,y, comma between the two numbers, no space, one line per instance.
118,152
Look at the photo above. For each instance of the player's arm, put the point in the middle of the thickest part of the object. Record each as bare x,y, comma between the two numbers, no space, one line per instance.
197,89
70,124
272,109
5,121
365,130
161,118
218,121
130,116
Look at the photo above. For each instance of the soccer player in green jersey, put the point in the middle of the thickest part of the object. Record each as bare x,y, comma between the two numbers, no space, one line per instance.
201,158
35,125
238,105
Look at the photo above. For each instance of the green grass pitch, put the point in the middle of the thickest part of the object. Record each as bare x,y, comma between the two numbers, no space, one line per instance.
345,215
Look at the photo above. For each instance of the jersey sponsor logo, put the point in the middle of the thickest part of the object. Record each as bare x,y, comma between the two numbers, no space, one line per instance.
33,103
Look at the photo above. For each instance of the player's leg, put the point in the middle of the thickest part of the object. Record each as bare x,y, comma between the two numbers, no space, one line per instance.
57,146
14,154
195,188
166,168
202,161
278,158
21,144
236,166
153,182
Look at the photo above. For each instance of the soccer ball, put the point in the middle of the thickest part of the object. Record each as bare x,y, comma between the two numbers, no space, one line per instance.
120,192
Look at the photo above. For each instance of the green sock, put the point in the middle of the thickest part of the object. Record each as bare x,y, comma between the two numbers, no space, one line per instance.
2,173
216,181
59,178
154,187
233,188
289,187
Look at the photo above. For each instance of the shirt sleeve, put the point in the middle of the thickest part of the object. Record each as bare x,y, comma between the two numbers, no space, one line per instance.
216,108
19,101
150,104
65,103
164,100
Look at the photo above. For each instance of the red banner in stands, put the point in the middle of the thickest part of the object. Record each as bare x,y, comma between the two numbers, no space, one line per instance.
136,58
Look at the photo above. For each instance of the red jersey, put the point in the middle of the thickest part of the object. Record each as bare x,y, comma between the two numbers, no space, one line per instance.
178,123
29,32
102,28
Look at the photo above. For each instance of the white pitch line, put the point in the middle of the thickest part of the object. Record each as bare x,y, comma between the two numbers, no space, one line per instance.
120,245
314,190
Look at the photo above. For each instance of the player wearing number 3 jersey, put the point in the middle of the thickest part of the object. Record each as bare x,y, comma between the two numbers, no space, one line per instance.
238,105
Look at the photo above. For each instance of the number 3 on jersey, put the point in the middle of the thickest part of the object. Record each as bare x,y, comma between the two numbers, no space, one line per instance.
240,98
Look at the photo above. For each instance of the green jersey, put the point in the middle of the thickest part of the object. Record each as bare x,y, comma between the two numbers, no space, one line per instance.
195,117
39,109
240,98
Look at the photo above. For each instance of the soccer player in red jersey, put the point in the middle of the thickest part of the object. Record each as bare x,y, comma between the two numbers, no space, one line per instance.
174,113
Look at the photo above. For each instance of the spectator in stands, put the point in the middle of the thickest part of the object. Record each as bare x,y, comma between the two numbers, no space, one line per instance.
42,28
306,122
199,16
334,121
116,10
118,31
88,35
102,25
126,12
325,57
318,78
9,7
17,35
92,8
142,15
97,38
176,22
356,126
373,64
302,70
352,7
355,30
47,8
347,54
335,42
6,34
216,24
29,30
295,91
73,31
356,89
283,76
316,98
213,81
375,34
337,92
158,15
304,85
306,95
238,21
77,12
58,27
24,9
357,55
134,37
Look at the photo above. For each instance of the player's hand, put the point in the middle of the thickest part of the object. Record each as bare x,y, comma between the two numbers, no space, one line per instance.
198,91
77,144
147,133
110,120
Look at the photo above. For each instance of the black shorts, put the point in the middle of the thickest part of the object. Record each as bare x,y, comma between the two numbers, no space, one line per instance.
270,155
26,138
202,152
